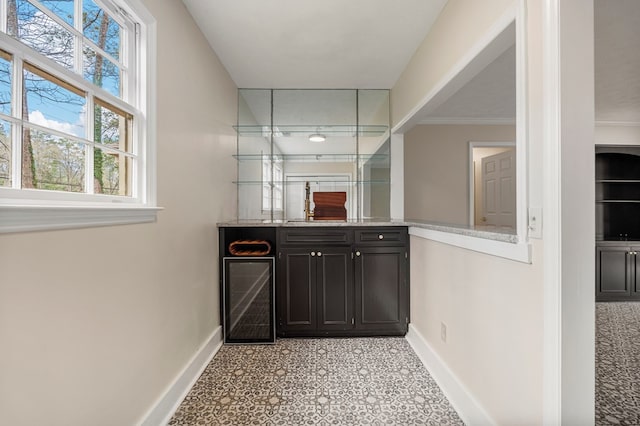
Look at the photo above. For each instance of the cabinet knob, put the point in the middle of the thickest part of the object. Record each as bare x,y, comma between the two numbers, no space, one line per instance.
380,236
357,253
319,253
313,253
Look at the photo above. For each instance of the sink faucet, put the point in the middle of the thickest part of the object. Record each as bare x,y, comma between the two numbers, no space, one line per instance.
307,202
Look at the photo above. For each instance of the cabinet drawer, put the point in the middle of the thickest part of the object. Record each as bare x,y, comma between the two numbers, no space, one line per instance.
382,236
318,235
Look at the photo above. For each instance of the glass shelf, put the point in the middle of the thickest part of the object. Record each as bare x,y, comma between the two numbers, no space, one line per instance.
314,181
305,158
617,201
618,181
297,130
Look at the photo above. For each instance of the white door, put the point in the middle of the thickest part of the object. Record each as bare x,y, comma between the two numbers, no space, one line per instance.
499,190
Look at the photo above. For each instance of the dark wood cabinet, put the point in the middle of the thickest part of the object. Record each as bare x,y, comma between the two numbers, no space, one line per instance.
334,290
314,289
617,224
342,282
296,289
617,275
380,284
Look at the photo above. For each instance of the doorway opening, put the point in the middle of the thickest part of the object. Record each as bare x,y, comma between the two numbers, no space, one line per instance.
492,185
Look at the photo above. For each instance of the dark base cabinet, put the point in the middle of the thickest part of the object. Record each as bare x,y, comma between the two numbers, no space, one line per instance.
342,282
380,289
315,292
617,271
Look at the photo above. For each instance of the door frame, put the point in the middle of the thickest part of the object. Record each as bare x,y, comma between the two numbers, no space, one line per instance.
471,188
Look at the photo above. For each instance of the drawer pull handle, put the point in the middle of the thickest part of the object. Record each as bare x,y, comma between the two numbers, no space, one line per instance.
380,236
313,253
357,253
319,254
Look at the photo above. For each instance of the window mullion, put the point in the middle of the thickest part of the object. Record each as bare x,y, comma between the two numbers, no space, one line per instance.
90,148
77,40
17,84
3,16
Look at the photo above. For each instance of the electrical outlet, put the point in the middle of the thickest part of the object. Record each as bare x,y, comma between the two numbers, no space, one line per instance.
443,332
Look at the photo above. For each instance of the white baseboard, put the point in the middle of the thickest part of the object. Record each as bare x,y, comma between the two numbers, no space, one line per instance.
467,407
163,409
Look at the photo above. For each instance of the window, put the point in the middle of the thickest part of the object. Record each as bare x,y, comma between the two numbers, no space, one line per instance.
272,177
76,118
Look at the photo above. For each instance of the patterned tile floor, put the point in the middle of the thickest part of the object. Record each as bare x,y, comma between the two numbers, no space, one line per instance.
317,382
618,363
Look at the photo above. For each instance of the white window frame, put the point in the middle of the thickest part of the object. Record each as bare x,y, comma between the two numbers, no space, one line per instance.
272,187
34,210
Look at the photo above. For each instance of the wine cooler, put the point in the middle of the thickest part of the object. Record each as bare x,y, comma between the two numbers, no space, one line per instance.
248,300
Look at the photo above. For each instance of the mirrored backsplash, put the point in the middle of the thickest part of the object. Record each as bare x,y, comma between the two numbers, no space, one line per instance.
336,140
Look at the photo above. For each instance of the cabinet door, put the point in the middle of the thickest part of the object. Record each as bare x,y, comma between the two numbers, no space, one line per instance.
614,270
335,288
296,291
381,289
634,270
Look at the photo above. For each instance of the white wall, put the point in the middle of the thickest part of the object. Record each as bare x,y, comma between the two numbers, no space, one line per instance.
559,169
96,323
493,307
617,134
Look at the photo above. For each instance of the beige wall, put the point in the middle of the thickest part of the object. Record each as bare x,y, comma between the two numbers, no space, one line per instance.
492,310
458,28
436,169
96,323
617,135
493,307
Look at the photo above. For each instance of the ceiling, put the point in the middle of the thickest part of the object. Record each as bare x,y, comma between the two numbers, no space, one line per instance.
617,61
367,44
351,44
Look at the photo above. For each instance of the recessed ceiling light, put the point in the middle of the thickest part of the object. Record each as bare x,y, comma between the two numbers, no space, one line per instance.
317,137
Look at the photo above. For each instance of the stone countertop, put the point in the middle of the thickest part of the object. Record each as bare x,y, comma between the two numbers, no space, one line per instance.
478,232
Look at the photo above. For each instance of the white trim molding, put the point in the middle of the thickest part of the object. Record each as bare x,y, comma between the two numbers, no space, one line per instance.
518,251
164,408
472,121
26,218
468,408
396,198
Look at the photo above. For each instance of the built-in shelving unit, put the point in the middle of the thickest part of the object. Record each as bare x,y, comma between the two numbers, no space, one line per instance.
617,223
276,155
617,193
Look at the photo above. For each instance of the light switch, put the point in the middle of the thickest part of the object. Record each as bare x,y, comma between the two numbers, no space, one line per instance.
535,222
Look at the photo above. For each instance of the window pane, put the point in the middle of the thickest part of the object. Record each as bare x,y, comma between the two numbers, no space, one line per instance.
112,127
101,71
112,173
101,29
35,29
62,8
51,105
5,153
5,83
58,163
